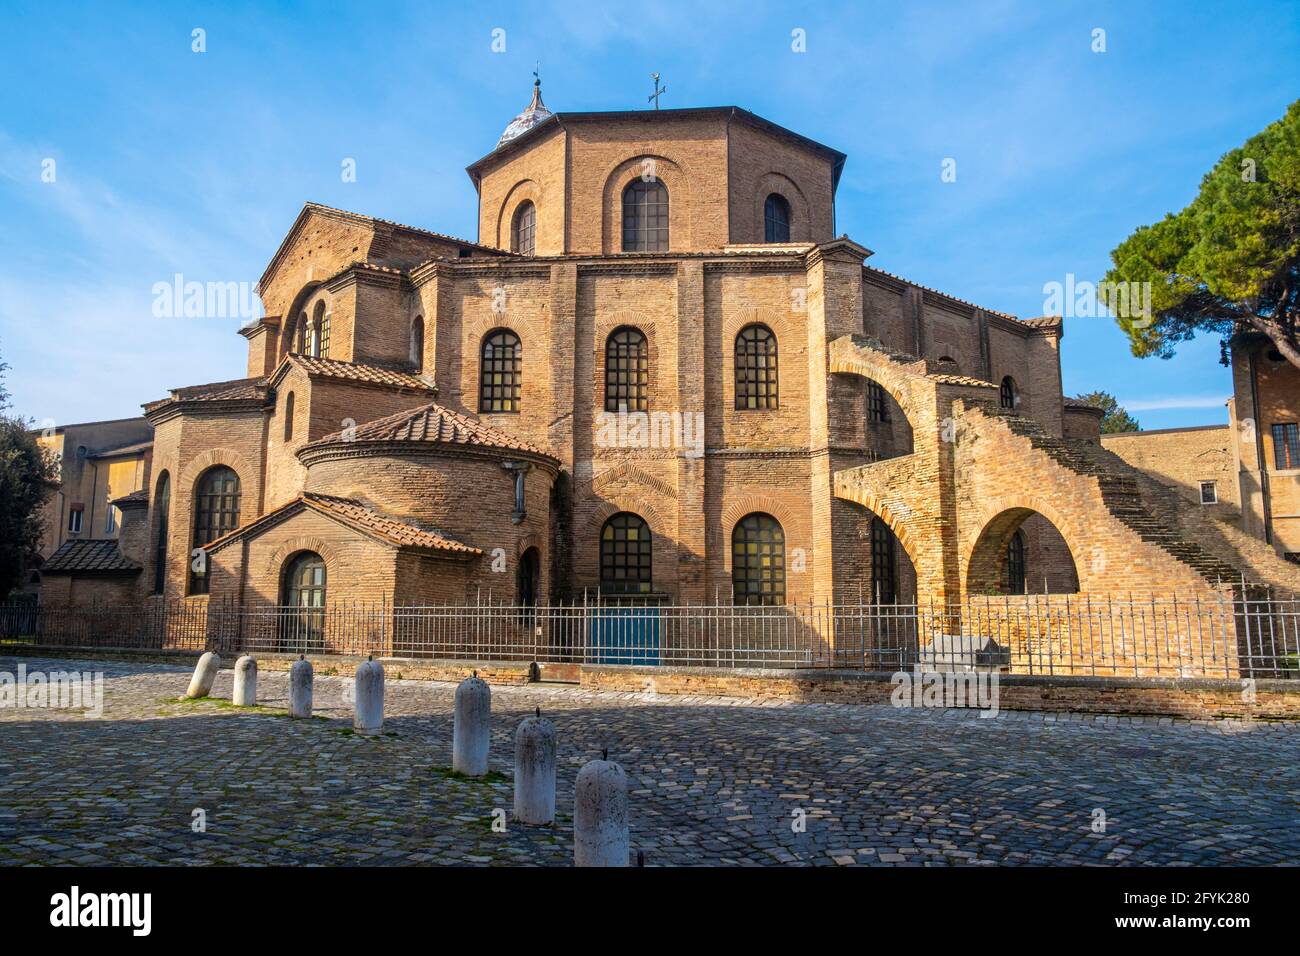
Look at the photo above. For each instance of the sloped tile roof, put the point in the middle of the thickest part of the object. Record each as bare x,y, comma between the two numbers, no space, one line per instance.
398,532
89,557
135,497
948,379
240,389
432,423
357,372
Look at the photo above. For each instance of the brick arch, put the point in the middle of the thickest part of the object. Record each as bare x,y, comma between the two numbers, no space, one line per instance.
801,222
201,462
607,326
474,332
796,529
530,540
674,177
526,190
998,522
737,320
896,523
280,556
899,384
289,325
637,506
628,471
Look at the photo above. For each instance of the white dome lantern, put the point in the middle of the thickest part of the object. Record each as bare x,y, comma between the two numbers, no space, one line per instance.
534,114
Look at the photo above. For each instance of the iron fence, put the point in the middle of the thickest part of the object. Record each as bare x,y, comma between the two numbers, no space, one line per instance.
1239,634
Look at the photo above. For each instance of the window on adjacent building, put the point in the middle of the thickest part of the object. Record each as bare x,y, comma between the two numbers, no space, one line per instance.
523,231
74,519
1016,563
110,517
625,555
758,561
627,371
1007,394
776,219
1209,493
500,372
877,407
884,563
645,217
1286,445
216,512
756,371
162,505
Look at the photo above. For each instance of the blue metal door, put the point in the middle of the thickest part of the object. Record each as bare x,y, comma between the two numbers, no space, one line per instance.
625,635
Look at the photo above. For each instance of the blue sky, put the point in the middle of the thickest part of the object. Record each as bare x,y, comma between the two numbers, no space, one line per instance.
169,161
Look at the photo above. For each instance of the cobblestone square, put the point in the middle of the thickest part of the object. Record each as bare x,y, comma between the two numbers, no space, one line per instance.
713,781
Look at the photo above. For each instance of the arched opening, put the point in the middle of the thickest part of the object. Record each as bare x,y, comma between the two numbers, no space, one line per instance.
216,512
947,365
757,378
304,335
500,372
1021,552
888,431
320,332
162,503
645,216
417,343
625,555
758,561
302,602
776,219
523,229
528,577
627,371
288,417
1008,394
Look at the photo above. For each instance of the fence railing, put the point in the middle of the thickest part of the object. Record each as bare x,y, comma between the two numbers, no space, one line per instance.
1231,636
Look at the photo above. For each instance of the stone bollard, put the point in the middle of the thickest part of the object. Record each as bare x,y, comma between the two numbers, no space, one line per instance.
204,674
369,719
600,836
245,694
535,771
471,727
300,678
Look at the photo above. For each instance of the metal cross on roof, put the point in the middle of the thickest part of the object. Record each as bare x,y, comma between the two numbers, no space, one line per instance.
659,91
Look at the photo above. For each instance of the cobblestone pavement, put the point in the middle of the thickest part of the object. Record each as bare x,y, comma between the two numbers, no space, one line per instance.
714,781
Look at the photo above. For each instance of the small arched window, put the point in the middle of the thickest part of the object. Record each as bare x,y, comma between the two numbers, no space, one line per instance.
500,372
645,216
625,548
417,343
877,405
162,502
1016,563
1008,397
627,371
216,512
776,219
758,561
947,365
756,371
288,417
523,229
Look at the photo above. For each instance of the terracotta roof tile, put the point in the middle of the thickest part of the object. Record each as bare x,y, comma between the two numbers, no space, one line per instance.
135,497
396,531
89,557
240,389
432,423
357,372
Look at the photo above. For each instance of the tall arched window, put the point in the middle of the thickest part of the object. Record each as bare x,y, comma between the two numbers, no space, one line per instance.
288,417
627,371
417,343
162,502
302,595
776,219
1007,394
625,555
304,335
758,561
320,332
216,512
500,372
1016,563
523,230
884,564
756,372
645,216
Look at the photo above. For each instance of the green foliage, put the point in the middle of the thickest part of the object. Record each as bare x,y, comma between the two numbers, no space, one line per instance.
1116,418
28,476
1230,260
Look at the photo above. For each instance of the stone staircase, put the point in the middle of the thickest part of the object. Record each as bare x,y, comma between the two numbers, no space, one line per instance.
1152,511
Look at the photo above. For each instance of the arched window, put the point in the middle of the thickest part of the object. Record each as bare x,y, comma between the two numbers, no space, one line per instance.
523,230
216,512
528,577
645,216
500,372
776,219
758,561
302,595
417,343
627,371
877,406
884,564
288,417
320,332
1016,563
625,554
162,502
1007,394
947,365
756,373
304,335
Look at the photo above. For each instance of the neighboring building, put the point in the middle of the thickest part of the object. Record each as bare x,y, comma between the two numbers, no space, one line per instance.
658,373
1197,462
